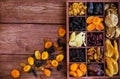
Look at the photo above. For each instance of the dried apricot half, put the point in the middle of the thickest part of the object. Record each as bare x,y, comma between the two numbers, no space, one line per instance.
15,73
59,57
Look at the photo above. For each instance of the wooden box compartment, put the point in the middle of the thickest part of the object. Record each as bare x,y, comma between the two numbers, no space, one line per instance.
93,39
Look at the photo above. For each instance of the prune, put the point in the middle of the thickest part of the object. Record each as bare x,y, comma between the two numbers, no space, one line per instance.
38,63
34,72
77,23
51,57
50,50
90,8
77,55
59,67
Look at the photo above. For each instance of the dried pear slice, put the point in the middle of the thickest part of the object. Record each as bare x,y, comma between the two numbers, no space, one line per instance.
72,36
109,48
115,66
115,53
72,43
111,20
108,73
109,65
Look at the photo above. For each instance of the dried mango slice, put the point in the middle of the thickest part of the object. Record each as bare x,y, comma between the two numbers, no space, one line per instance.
109,48
115,52
115,66
109,65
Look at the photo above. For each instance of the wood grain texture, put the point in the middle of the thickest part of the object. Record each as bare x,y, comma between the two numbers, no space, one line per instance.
32,11
25,38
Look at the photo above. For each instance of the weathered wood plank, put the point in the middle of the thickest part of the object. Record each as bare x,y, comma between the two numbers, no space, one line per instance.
25,38
9,62
32,11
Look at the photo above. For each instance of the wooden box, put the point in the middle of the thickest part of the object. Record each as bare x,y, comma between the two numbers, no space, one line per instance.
71,58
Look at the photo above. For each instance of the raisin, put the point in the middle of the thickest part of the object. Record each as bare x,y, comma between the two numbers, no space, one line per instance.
38,63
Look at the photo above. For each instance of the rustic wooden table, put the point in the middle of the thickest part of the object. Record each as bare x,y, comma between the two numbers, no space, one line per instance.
24,24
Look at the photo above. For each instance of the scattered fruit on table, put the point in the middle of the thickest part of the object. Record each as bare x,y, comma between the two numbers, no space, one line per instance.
95,39
77,55
61,32
94,23
111,21
95,8
15,73
78,70
95,69
95,54
45,60
111,57
77,40
30,60
77,8
77,24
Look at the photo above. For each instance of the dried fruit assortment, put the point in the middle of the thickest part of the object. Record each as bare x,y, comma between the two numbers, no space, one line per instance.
46,60
93,39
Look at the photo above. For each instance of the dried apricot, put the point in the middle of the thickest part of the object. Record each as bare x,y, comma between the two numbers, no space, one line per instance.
54,63
100,27
47,72
61,32
48,44
37,55
73,67
79,73
96,20
31,60
45,55
15,73
89,19
59,57
83,68
72,73
26,68
91,27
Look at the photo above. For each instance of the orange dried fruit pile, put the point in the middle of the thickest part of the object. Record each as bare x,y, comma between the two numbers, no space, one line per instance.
94,23
78,70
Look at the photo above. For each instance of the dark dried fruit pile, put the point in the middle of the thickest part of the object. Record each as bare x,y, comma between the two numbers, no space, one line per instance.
94,8
95,39
77,24
77,55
